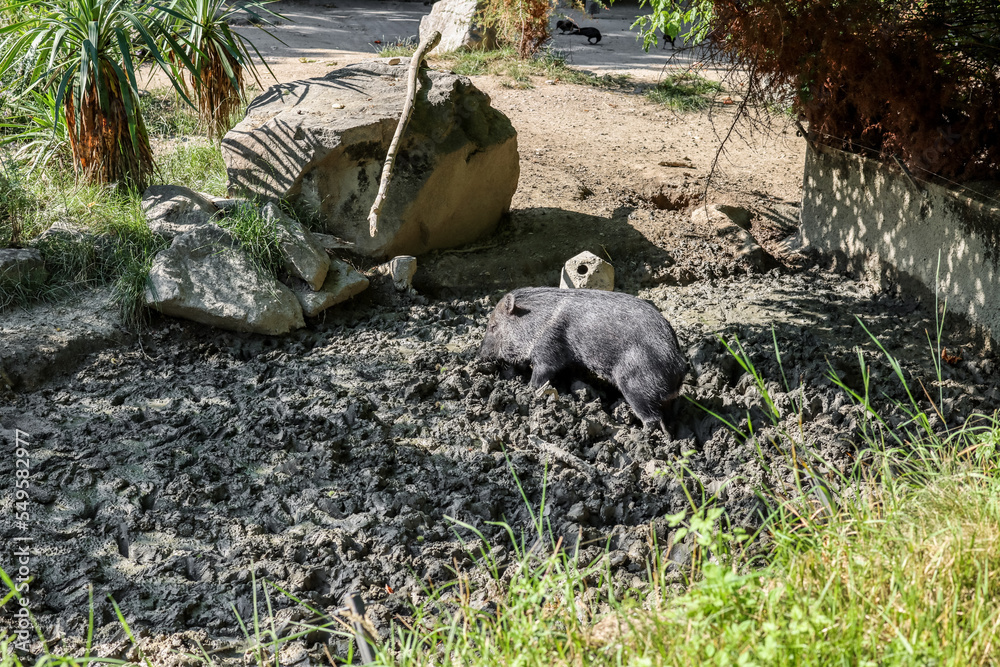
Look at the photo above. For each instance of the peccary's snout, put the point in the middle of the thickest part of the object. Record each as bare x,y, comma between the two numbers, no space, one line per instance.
487,349
495,330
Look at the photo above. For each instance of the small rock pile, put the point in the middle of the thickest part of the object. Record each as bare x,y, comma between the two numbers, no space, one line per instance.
205,275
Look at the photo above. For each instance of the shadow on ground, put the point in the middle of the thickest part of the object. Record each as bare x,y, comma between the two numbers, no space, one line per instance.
530,249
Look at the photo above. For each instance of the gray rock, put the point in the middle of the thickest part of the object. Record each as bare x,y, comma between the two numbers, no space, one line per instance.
303,256
62,233
456,171
401,270
342,282
203,276
331,242
722,214
732,222
455,20
173,209
21,266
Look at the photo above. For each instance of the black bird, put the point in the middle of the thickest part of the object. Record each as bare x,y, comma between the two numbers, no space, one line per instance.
593,35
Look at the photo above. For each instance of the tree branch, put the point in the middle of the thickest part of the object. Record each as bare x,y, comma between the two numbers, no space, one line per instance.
404,119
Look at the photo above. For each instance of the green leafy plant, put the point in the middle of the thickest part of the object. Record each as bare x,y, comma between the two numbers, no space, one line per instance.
217,59
670,17
37,132
684,92
85,50
16,202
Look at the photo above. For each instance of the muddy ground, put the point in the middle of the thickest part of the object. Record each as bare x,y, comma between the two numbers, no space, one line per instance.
327,461
169,469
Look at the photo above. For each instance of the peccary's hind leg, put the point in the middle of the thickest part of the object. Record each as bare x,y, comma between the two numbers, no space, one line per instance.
646,410
631,376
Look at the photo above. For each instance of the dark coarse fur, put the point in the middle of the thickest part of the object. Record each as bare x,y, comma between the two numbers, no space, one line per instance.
620,338
566,25
593,35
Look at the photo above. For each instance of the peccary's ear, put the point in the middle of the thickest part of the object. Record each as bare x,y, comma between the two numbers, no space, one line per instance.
508,306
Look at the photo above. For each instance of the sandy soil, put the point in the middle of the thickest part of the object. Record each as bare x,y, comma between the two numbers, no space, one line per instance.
167,469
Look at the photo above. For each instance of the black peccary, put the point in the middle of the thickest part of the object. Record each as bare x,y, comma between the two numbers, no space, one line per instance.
593,35
566,25
615,336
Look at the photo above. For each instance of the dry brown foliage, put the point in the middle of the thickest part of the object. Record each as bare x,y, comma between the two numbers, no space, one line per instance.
914,79
103,148
523,23
218,96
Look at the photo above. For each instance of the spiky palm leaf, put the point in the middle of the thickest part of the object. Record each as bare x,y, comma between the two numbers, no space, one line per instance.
219,57
84,50
37,132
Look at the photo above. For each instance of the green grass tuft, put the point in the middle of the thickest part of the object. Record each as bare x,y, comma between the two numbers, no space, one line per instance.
167,115
196,165
101,236
258,236
504,62
97,235
684,92
401,49
17,204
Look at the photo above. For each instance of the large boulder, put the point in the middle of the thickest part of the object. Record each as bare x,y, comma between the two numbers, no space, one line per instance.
320,143
455,20
204,276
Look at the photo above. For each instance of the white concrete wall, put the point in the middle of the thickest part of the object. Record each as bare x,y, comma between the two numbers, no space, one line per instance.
868,213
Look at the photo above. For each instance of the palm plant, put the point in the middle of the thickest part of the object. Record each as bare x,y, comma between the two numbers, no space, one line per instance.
85,51
36,131
219,58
